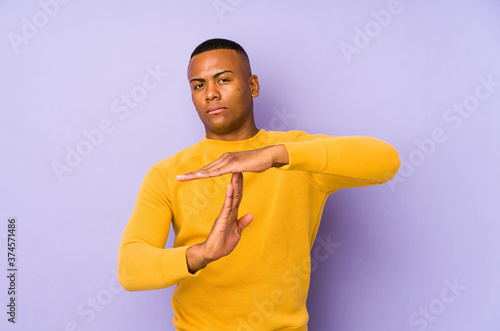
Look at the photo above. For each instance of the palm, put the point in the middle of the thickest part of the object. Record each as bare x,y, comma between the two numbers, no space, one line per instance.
226,231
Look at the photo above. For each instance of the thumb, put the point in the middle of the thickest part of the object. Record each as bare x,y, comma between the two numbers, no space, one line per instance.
244,221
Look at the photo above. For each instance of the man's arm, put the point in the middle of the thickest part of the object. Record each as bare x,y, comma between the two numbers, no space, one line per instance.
335,162
144,263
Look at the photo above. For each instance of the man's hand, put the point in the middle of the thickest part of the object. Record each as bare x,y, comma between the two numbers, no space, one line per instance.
256,160
226,231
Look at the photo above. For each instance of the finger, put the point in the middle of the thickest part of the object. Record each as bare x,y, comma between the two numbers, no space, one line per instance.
244,221
227,206
190,176
238,188
196,174
218,167
202,175
235,179
235,184
213,169
221,161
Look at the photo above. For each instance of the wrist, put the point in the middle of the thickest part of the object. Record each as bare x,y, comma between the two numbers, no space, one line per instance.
195,259
280,155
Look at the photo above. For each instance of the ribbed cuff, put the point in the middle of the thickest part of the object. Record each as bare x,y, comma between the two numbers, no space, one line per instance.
174,265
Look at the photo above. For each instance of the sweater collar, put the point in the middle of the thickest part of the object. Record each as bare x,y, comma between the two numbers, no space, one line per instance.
256,140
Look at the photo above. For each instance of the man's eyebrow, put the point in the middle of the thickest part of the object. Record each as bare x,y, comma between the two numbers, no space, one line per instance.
222,72
214,76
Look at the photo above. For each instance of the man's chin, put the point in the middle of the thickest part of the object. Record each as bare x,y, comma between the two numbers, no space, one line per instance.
219,128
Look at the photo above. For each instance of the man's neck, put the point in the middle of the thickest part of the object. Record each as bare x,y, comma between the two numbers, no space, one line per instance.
242,134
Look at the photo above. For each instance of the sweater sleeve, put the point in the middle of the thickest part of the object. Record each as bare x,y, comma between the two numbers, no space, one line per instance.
143,262
341,162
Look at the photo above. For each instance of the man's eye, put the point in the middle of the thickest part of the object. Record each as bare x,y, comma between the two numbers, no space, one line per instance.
197,86
223,80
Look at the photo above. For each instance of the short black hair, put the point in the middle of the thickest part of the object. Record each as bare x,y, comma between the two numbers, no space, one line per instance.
218,43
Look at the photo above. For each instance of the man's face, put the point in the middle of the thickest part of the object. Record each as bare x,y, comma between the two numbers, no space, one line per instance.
222,89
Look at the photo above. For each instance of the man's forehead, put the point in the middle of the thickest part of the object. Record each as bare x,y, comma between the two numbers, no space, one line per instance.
212,62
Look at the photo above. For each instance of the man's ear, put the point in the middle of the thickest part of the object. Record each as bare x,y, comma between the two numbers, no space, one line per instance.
254,85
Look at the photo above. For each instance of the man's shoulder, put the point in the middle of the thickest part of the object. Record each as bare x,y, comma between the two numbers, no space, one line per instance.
180,158
276,137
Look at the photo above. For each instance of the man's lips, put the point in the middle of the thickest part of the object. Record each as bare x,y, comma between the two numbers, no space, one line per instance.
215,110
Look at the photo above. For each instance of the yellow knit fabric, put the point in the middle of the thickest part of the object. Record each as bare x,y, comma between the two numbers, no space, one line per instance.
263,283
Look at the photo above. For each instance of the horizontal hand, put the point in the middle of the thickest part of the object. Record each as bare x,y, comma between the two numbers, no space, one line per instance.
256,160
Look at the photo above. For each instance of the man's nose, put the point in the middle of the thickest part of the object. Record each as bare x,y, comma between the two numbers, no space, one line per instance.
211,92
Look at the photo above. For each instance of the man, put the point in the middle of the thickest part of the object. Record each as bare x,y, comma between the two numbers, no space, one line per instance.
235,272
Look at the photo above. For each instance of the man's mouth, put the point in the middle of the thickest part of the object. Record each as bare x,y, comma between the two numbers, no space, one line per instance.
215,110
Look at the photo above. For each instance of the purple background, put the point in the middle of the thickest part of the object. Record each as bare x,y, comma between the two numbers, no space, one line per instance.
401,244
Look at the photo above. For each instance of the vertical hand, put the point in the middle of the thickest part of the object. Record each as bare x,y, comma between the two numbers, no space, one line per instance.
226,230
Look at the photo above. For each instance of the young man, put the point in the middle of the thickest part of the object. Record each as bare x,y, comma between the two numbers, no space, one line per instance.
235,272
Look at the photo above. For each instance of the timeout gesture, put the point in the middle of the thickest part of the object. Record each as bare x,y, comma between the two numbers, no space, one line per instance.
226,230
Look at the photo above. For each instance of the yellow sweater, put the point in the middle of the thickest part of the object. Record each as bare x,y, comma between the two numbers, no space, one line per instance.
263,283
